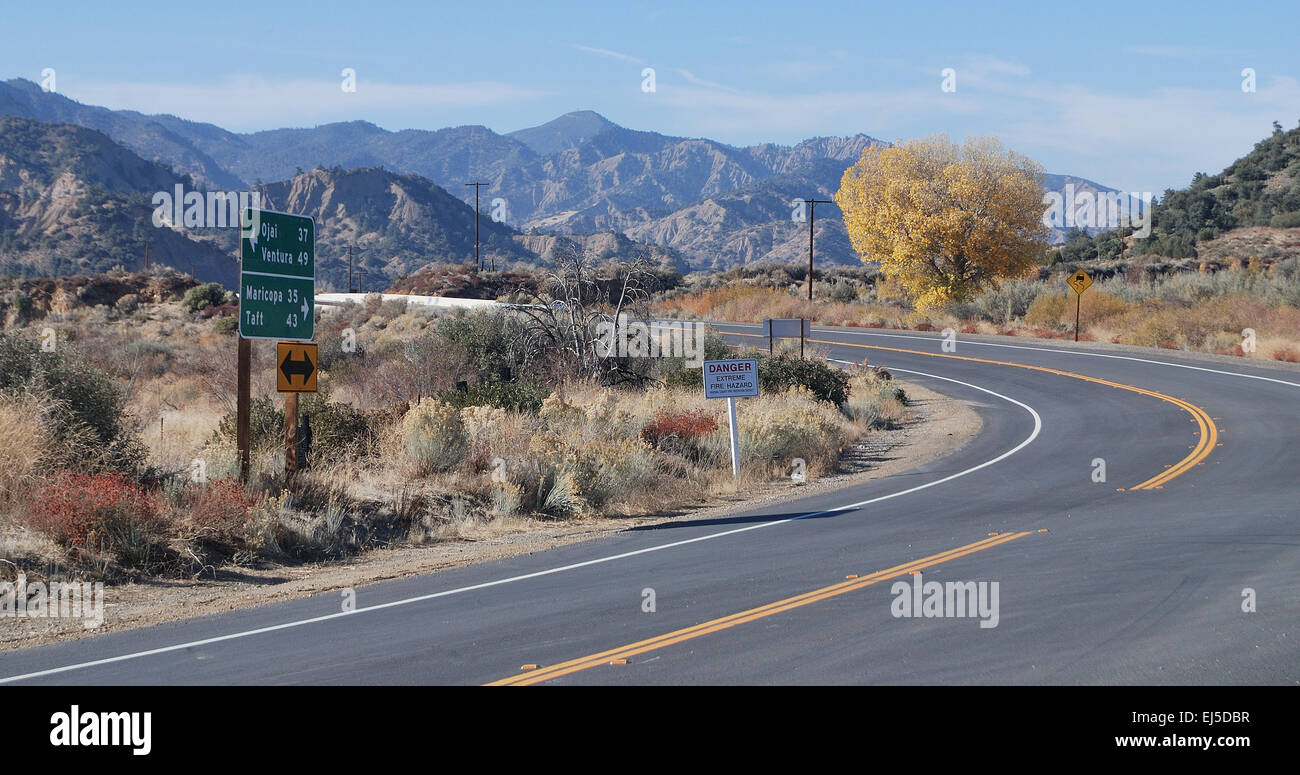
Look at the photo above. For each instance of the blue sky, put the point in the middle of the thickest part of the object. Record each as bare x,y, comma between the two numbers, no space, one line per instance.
1136,96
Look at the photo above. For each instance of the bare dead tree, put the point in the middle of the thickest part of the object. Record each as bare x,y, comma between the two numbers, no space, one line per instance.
576,296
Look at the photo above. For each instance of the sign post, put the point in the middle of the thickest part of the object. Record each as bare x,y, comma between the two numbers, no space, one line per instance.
788,328
1079,281
732,379
277,299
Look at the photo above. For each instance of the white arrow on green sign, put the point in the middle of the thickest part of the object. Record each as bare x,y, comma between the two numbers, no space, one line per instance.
277,276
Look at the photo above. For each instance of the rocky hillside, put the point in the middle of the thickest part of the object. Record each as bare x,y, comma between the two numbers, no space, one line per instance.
601,247
395,223
72,201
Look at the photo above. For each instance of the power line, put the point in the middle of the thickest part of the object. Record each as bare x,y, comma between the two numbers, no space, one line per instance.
477,263
812,209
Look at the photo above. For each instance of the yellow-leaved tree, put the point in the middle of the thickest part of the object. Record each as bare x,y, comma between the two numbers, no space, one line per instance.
944,221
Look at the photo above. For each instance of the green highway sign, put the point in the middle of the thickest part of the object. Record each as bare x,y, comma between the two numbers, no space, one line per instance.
277,276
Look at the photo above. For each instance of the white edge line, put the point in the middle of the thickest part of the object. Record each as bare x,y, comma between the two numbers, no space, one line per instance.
1038,425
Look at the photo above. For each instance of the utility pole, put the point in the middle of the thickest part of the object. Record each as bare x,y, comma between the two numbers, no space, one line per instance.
146,256
477,264
812,209
349,269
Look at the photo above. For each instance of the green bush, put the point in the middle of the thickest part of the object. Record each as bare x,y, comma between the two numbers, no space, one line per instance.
201,296
1285,220
338,430
844,292
486,340
265,426
525,395
226,324
89,421
782,372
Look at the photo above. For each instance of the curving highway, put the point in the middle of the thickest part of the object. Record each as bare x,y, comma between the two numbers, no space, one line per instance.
1141,578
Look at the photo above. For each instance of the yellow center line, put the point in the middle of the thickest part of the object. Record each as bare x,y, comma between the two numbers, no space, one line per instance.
1207,437
752,614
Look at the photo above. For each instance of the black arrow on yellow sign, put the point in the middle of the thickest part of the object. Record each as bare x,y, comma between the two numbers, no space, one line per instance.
297,359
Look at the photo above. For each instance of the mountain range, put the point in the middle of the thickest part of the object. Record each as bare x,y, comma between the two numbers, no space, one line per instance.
703,204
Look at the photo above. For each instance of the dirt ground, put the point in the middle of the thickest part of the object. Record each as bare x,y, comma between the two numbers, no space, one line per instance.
937,426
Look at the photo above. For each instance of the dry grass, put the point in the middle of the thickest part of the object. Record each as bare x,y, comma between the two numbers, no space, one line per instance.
25,446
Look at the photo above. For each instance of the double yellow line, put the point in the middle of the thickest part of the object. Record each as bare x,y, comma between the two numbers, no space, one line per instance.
623,653
1207,436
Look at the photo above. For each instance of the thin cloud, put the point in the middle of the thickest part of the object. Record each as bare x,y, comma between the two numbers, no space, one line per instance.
690,77
611,54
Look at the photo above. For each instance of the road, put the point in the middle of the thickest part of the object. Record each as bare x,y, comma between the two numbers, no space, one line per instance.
1138,579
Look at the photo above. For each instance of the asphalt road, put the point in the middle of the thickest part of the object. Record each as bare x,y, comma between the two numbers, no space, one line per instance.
1138,579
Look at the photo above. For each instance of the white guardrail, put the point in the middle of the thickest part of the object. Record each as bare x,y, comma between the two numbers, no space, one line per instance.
437,302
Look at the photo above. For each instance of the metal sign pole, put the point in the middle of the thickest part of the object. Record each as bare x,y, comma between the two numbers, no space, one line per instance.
1078,301
735,438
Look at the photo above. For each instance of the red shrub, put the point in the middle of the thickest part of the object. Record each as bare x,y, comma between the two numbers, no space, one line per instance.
92,510
1287,354
222,507
686,426
924,327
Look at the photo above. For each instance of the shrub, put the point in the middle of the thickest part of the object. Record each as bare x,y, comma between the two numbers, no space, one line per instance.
668,425
433,436
265,426
875,401
127,304
778,428
226,324
584,476
220,514
844,292
201,296
102,512
88,421
526,395
339,430
1285,220
780,373
486,340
